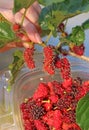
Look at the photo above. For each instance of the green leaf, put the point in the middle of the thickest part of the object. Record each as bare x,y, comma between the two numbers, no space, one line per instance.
77,35
82,112
85,25
49,2
51,16
16,66
19,4
6,33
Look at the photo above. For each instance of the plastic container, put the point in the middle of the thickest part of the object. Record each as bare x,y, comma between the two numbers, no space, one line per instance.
9,114
6,114
27,84
7,117
24,87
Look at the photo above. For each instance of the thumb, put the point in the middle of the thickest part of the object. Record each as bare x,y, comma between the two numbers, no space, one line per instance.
30,28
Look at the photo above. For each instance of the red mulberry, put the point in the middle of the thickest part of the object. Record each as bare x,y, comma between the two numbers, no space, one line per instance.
65,68
49,56
28,56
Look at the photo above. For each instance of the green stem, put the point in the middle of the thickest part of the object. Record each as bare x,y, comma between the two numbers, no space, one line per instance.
48,37
66,23
59,45
23,17
77,56
62,42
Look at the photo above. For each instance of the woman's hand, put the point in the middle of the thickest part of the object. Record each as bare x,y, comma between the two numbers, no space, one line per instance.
30,23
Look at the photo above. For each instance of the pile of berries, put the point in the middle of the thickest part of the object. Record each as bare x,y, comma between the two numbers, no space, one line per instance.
53,105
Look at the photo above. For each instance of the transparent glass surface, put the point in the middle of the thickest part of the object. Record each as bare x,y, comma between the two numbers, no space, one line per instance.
6,114
27,84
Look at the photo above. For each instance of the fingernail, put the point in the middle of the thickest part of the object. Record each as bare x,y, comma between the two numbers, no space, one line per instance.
38,38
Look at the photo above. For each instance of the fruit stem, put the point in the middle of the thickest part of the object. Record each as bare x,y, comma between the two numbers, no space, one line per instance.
48,37
46,101
62,41
77,56
59,45
24,14
65,23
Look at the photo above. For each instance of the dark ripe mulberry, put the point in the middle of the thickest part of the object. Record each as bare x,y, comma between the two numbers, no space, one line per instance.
35,109
60,27
61,104
37,112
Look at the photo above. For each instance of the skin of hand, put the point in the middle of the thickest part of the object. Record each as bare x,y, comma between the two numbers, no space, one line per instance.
30,23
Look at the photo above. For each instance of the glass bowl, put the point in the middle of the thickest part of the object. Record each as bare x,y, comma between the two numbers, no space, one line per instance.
25,85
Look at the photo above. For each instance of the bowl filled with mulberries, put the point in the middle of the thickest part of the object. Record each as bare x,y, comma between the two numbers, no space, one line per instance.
53,102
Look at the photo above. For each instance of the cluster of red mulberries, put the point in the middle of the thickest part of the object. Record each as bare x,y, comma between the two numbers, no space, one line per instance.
52,61
28,57
53,105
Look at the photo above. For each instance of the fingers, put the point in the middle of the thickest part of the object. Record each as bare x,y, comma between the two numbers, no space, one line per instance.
33,12
7,14
30,25
30,28
6,4
37,7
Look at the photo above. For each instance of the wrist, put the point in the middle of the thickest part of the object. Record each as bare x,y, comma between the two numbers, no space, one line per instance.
6,4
